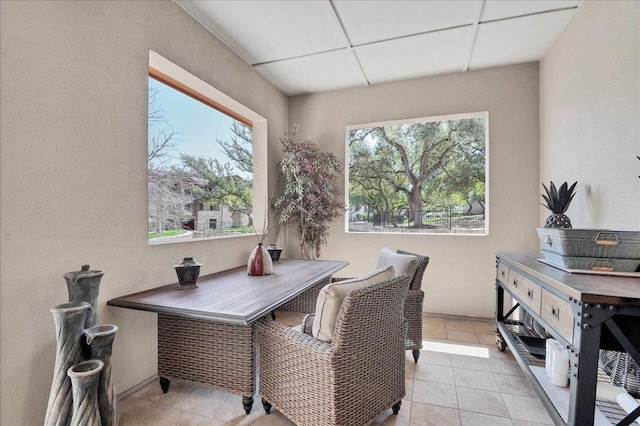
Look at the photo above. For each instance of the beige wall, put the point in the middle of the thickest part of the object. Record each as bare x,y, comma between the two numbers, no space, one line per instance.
590,114
73,174
461,273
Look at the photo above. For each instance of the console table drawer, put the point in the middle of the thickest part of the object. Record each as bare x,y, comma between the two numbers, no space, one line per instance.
531,295
557,313
526,290
503,273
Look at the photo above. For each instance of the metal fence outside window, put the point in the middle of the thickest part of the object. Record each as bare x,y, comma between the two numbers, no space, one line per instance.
452,219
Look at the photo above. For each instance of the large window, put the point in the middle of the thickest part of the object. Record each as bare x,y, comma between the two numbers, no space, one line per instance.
425,175
201,159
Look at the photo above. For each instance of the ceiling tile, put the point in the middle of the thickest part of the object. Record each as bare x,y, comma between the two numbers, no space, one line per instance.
262,31
367,21
498,9
426,54
315,73
517,40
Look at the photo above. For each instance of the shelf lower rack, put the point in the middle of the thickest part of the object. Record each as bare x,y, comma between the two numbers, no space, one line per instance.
607,413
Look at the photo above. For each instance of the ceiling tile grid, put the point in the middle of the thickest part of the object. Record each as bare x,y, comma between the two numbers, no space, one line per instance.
432,53
314,73
372,21
305,46
517,40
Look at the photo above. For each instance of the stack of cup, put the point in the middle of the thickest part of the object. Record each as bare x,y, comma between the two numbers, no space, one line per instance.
556,363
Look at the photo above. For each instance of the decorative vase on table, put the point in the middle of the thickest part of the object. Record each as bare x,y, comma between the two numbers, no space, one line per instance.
260,262
274,252
188,272
99,340
85,378
69,319
84,286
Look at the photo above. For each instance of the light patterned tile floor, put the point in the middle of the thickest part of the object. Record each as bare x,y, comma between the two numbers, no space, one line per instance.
460,379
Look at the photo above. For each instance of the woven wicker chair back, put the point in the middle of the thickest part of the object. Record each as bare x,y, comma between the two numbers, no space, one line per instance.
373,314
423,261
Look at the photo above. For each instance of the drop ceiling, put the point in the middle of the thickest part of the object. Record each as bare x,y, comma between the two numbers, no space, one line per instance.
311,46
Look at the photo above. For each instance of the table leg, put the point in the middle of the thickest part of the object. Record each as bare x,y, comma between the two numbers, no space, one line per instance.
247,403
164,384
266,405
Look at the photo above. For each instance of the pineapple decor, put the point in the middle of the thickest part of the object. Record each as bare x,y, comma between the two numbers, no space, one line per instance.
558,200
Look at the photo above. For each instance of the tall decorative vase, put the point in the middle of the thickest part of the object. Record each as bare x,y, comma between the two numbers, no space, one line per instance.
69,319
260,262
85,378
100,340
84,286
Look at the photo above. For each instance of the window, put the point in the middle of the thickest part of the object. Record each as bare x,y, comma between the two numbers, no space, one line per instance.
425,175
206,159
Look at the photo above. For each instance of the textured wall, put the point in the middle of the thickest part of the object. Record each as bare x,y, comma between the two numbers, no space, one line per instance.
461,274
74,181
590,114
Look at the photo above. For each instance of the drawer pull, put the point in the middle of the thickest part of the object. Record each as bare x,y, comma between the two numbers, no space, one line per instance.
530,293
607,241
602,265
555,312
502,273
515,283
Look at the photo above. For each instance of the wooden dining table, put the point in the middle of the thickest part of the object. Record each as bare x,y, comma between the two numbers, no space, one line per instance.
206,335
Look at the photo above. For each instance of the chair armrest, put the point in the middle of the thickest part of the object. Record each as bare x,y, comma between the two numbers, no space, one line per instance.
307,324
278,337
417,295
335,280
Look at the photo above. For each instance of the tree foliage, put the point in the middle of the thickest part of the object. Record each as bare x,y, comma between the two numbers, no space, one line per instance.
240,148
407,166
177,180
309,200
218,184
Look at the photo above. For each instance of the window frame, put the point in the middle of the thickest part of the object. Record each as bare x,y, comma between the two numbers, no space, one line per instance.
446,117
167,72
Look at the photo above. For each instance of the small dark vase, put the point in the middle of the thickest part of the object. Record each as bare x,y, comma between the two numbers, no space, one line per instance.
100,340
274,252
84,286
188,271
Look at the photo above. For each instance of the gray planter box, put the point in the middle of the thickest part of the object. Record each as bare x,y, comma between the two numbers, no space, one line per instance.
592,263
590,243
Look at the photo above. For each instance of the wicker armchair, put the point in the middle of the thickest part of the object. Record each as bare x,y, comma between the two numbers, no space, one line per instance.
412,306
350,381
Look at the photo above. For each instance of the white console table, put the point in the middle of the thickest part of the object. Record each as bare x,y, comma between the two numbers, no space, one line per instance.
585,313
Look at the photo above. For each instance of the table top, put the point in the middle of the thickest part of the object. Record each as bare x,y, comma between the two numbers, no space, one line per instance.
587,288
233,296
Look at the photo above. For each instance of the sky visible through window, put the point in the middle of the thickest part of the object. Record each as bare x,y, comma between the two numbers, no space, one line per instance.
198,126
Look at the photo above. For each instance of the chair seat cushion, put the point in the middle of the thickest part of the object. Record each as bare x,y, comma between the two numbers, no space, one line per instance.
402,263
332,295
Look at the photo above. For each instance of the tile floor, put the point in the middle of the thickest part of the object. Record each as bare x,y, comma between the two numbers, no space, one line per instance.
460,379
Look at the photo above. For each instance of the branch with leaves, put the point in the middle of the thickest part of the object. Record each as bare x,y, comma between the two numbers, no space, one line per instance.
309,200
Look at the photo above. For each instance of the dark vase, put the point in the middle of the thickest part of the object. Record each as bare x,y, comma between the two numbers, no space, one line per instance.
100,340
84,286
69,319
274,252
188,271
85,378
